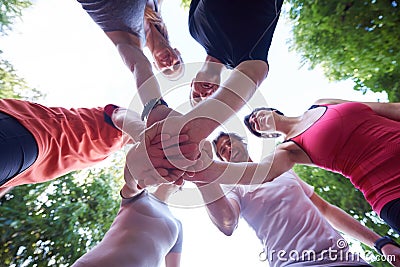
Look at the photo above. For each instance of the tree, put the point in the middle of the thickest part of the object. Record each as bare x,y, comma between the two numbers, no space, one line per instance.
10,10
186,4
12,86
355,40
54,223
339,191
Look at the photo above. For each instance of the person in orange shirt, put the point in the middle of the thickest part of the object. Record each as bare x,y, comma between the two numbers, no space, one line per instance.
39,143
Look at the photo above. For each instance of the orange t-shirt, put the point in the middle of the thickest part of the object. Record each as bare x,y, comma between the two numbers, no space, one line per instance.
67,139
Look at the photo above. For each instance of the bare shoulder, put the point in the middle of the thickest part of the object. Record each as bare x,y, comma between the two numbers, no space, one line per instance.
330,101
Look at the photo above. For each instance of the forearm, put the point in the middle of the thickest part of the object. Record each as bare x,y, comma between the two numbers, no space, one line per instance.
388,110
146,83
233,173
348,225
219,209
226,101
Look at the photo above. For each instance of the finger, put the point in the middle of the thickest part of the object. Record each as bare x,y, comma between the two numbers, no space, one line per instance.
206,146
179,163
179,182
162,172
164,163
174,140
177,173
157,139
151,132
187,176
154,180
174,175
183,150
154,177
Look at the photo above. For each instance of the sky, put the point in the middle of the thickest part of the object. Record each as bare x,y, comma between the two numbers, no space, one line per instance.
58,49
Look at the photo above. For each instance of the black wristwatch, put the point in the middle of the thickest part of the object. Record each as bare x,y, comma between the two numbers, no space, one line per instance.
149,106
384,240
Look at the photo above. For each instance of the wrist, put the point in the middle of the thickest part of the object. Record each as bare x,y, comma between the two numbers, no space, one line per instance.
383,241
158,113
149,106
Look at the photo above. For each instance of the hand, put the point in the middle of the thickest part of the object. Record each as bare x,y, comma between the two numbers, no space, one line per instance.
391,251
149,160
206,169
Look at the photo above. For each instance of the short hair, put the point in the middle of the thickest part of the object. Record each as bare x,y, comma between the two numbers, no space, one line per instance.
247,119
229,135
154,17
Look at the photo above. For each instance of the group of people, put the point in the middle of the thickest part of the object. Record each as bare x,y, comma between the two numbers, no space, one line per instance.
359,140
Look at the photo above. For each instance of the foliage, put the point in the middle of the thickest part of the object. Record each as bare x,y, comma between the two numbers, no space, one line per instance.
185,4
339,191
12,86
54,223
9,11
350,39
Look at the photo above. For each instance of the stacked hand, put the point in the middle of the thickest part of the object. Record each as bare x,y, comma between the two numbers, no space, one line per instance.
167,151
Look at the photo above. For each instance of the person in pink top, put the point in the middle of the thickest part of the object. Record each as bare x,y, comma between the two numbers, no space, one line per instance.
288,217
358,140
39,143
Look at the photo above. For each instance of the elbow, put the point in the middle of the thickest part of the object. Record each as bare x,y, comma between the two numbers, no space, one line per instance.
227,229
228,226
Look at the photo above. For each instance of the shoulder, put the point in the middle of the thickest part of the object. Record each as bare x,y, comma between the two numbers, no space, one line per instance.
329,101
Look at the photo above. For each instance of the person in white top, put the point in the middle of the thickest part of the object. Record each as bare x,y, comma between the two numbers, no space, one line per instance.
289,218
144,232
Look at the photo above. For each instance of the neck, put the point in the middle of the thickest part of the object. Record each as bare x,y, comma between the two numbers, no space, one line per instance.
286,125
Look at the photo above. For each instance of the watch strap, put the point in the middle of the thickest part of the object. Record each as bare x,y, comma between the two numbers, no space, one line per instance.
149,106
382,241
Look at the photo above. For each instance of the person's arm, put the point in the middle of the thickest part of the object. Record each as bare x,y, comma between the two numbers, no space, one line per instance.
130,50
173,258
232,95
224,212
388,110
210,171
146,83
348,225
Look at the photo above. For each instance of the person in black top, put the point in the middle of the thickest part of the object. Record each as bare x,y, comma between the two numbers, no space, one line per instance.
232,33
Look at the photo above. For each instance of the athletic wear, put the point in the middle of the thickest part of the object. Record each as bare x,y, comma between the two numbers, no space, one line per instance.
66,140
390,214
234,31
18,148
351,139
118,15
284,219
142,234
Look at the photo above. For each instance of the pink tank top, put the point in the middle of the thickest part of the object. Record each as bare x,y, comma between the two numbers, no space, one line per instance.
353,140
